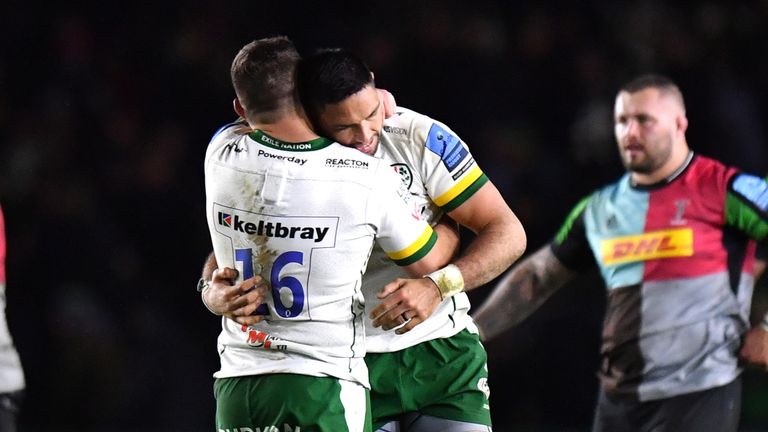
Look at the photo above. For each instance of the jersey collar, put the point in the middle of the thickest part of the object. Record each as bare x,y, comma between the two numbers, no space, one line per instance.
269,141
667,180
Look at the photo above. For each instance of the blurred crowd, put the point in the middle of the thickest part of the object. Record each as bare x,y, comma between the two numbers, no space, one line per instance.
106,109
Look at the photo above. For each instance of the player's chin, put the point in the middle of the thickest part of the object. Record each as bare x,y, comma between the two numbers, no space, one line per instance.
369,148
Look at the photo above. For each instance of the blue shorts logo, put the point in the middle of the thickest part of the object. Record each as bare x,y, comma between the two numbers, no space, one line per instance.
447,146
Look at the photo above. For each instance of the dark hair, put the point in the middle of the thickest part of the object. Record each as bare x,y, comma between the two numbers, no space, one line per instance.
328,77
660,82
263,77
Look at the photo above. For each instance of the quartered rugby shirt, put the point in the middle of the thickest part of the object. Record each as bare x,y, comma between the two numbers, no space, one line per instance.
677,261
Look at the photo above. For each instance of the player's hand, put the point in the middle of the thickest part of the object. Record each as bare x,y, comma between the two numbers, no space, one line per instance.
388,102
405,301
235,301
755,348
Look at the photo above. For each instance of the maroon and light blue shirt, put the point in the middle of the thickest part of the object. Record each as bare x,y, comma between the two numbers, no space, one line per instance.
677,260
11,373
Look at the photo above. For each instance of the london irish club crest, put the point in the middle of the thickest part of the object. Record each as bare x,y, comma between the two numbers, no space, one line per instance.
404,172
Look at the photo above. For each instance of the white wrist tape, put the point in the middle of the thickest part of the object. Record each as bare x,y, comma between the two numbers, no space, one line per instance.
448,280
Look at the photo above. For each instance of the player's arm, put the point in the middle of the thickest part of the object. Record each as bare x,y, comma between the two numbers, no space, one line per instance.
500,240
520,292
415,299
222,295
755,347
531,282
444,251
746,209
414,245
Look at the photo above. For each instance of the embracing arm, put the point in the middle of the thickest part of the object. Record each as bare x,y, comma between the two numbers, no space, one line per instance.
500,238
209,266
234,300
442,253
419,296
520,292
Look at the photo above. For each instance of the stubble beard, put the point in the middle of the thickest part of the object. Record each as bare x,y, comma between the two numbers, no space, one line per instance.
649,161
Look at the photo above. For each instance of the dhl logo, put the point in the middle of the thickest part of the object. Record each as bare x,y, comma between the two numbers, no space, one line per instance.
652,245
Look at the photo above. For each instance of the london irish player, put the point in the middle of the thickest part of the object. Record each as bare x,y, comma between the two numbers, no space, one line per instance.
280,205
432,376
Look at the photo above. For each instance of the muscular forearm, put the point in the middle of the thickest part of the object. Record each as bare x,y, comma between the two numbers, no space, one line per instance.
500,238
520,292
496,247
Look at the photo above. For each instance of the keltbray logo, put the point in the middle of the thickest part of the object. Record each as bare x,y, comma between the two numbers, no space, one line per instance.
225,219
652,245
272,229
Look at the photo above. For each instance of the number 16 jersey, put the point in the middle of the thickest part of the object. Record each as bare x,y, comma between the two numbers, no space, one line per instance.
303,216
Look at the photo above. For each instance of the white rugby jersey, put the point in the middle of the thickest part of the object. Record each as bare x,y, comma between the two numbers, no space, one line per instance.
304,217
440,174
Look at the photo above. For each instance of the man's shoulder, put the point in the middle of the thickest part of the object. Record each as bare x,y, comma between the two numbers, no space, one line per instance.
406,122
408,127
703,167
401,123
608,191
228,133
230,130
226,138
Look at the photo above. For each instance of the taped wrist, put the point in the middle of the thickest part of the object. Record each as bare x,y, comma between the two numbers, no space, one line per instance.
449,281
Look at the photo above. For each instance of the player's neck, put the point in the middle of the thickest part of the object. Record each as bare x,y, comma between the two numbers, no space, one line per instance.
678,160
292,128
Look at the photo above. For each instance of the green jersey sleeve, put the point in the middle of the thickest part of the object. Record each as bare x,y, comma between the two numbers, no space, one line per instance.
570,244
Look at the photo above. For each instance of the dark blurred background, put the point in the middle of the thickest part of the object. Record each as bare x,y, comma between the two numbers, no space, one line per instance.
106,109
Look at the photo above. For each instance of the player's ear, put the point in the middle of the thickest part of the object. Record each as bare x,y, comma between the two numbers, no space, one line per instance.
387,100
682,123
238,108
